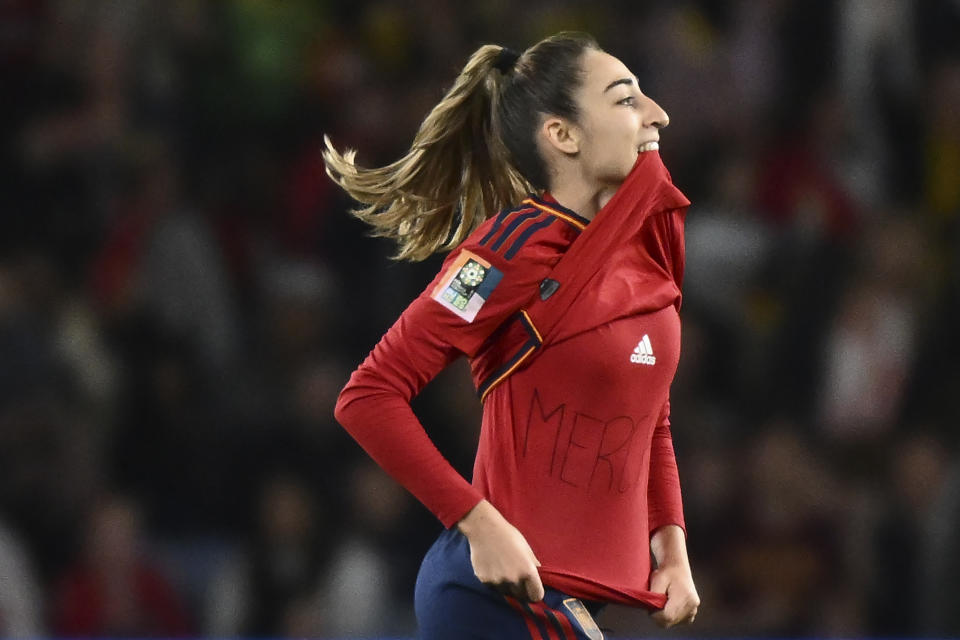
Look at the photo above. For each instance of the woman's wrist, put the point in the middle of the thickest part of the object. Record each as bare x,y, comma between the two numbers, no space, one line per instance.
669,546
481,514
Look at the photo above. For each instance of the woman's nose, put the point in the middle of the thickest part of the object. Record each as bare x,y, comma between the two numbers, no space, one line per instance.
654,115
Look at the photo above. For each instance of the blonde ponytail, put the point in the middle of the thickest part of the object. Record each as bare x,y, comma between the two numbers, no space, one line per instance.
456,173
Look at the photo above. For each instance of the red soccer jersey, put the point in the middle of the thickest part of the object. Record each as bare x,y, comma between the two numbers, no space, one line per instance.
575,447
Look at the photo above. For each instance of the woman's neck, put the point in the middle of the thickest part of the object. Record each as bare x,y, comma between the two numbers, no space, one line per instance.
581,197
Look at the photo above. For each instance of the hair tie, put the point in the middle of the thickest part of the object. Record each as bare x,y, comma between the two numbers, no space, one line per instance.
506,60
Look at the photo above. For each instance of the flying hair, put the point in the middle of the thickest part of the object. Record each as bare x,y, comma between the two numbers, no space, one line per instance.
474,154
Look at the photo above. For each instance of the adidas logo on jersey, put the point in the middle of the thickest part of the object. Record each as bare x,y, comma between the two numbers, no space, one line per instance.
643,353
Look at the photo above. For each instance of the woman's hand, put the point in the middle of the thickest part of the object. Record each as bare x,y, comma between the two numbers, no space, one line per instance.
500,555
682,598
673,577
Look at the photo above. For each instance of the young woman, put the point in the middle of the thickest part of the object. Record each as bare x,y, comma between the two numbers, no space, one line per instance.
541,171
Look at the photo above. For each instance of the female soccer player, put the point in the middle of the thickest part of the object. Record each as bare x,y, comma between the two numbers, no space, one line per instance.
541,171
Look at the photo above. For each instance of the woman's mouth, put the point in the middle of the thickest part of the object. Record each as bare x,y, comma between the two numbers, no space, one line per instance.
648,146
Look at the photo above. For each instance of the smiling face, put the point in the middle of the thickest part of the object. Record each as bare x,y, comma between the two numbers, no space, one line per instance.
616,120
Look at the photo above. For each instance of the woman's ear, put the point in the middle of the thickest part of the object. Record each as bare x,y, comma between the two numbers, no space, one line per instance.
561,135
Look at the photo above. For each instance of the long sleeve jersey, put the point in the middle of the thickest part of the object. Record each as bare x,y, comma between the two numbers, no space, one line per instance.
575,447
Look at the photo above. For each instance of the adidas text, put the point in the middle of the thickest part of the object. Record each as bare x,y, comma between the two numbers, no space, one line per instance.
637,358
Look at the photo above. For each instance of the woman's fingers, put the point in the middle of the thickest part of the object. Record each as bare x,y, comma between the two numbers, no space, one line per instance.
677,611
533,588
528,588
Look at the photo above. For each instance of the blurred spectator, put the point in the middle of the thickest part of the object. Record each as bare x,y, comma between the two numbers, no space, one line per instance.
162,258
785,549
270,588
872,345
21,604
801,186
940,611
755,57
360,586
727,245
113,590
47,418
729,249
879,66
906,539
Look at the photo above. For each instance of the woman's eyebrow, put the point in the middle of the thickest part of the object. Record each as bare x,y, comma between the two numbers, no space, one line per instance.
627,81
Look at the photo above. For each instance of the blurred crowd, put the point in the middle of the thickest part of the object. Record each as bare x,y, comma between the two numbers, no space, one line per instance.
183,294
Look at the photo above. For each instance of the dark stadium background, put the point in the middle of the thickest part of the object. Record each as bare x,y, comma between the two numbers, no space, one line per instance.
182,294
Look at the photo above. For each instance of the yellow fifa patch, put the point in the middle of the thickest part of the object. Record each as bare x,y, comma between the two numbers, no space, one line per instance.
579,612
466,285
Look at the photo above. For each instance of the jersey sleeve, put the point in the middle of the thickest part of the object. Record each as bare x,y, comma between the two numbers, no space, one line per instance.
472,295
478,289
664,502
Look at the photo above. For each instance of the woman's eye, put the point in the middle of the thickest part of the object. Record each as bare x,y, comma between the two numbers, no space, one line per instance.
628,100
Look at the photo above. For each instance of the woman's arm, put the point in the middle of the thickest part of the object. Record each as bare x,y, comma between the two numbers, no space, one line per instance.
664,501
374,407
668,541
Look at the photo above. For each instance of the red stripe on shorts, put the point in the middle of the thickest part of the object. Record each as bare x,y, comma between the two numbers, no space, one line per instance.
541,610
561,617
531,625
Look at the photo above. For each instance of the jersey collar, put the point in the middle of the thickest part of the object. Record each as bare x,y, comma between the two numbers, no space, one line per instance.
548,204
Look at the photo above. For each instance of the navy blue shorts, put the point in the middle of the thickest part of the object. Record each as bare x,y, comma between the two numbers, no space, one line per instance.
452,604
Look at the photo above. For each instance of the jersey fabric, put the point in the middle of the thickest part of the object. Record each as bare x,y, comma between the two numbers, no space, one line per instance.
575,447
